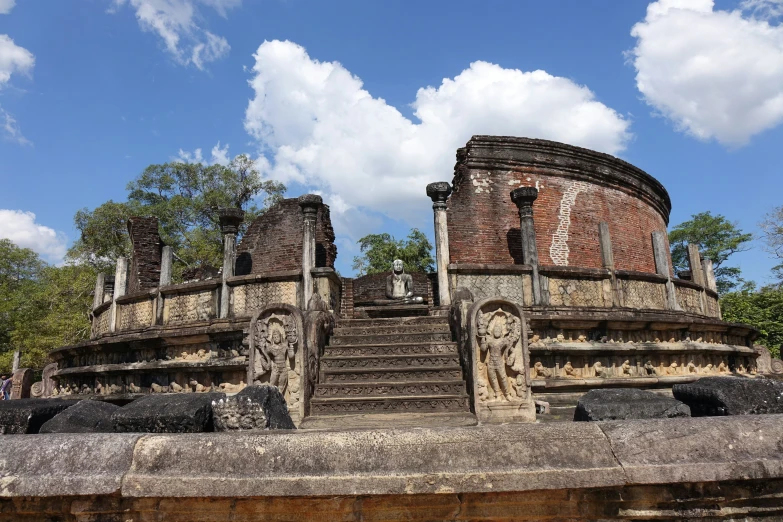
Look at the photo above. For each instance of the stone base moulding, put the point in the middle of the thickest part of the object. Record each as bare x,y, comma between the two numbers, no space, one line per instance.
682,468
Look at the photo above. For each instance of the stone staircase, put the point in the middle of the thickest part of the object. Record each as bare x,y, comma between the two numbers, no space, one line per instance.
401,365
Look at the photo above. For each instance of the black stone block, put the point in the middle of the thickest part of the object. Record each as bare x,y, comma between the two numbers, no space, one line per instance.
28,415
624,404
84,417
167,413
715,396
260,407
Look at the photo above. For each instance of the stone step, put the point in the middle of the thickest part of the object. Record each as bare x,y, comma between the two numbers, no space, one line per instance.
392,321
434,361
421,404
389,389
364,375
358,350
396,329
406,338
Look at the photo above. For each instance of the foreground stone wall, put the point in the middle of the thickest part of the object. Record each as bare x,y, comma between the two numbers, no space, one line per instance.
683,468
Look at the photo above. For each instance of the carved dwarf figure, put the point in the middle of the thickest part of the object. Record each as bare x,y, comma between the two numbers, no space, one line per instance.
399,285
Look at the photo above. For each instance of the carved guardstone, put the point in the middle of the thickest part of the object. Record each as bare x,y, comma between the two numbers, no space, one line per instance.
500,362
276,354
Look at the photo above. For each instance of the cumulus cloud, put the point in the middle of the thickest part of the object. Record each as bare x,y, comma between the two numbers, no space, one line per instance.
21,228
10,130
13,59
6,6
179,24
318,127
715,74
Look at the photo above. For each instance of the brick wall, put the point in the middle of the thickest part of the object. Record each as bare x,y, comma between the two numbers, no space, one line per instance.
273,242
147,248
573,199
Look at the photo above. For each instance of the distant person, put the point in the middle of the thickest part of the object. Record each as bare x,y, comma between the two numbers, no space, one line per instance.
5,388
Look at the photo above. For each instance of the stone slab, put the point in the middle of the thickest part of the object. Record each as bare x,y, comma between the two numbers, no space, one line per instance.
712,396
708,449
167,413
64,464
260,407
83,417
372,462
625,404
28,415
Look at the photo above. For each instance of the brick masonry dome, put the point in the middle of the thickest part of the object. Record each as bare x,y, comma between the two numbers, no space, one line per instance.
577,189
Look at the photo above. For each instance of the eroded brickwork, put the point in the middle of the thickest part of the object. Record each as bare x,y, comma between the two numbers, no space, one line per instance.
273,242
578,189
147,248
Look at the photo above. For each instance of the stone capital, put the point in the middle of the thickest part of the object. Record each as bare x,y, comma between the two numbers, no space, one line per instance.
230,218
439,192
310,204
523,198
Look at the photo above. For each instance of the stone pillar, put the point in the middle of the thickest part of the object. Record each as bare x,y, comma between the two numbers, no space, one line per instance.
523,198
230,219
97,298
166,261
661,254
439,192
310,204
120,285
607,259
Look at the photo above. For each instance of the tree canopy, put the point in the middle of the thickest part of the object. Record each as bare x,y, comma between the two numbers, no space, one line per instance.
380,250
184,197
718,239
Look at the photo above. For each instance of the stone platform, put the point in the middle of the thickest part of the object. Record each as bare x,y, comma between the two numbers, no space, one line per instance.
673,469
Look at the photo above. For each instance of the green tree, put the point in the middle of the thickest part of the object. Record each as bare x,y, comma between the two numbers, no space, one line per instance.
718,239
380,250
762,309
772,232
184,197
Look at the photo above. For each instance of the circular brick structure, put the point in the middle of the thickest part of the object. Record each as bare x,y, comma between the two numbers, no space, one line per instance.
577,189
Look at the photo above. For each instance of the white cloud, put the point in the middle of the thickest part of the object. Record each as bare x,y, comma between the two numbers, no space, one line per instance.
6,6
320,128
715,74
13,59
10,130
178,24
21,228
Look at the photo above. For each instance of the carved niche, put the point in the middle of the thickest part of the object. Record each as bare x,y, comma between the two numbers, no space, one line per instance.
276,353
500,362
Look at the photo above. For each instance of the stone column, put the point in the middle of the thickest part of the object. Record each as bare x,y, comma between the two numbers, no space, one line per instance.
439,192
120,285
607,259
661,254
166,260
523,198
97,298
309,204
230,219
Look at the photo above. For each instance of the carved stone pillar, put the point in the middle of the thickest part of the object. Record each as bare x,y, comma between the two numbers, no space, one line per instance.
230,219
120,286
439,192
523,198
166,260
310,204
661,254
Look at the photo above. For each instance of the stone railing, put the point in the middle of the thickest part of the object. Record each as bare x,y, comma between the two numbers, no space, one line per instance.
574,287
199,302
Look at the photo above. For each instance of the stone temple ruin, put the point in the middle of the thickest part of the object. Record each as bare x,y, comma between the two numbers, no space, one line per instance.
554,280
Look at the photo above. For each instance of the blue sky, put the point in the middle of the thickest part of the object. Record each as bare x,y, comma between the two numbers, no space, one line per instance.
366,102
